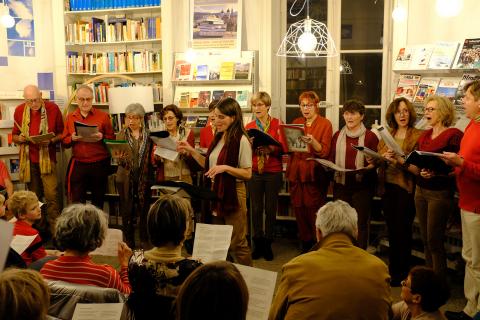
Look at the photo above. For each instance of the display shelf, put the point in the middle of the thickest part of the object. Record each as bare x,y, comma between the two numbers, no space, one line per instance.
211,82
6,151
128,42
112,11
113,73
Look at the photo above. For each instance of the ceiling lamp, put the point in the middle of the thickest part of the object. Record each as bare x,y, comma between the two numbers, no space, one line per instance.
399,14
6,19
307,38
448,8
345,67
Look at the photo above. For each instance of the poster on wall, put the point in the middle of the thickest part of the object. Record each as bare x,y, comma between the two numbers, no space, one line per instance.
21,37
216,24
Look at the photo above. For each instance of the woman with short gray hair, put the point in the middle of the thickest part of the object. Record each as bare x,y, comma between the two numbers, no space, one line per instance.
133,174
80,229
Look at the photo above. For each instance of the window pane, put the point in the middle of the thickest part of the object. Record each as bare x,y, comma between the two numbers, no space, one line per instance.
364,80
306,74
362,24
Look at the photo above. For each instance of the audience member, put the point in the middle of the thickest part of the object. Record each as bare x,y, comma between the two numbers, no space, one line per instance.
423,293
37,160
207,133
25,207
397,187
89,166
358,186
81,229
23,295
337,280
308,180
156,275
266,179
6,185
215,291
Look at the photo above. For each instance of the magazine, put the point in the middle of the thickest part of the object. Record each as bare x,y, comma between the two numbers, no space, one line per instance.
242,71
292,136
421,57
466,79
443,55
203,99
407,86
448,88
404,58
469,58
426,87
227,70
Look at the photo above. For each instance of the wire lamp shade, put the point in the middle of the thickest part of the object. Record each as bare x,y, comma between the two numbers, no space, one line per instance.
345,67
307,38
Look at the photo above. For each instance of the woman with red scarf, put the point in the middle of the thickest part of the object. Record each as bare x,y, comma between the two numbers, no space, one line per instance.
228,164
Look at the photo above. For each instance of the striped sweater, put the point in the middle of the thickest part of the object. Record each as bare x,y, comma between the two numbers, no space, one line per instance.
82,270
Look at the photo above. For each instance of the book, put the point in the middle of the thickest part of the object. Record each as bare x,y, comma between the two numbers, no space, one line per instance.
389,140
404,58
426,87
214,71
466,79
185,71
202,72
261,138
184,101
292,134
421,57
227,70
217,94
86,131
428,160
42,137
443,55
407,86
242,71
242,98
468,56
203,99
118,147
448,88
230,94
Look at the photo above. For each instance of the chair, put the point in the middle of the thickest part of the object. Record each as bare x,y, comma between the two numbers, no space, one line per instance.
64,296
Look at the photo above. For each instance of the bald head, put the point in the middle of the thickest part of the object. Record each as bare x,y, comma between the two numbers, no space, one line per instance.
32,96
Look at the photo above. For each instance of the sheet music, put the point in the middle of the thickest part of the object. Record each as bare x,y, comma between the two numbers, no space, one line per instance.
95,311
166,153
390,141
369,152
211,242
261,285
330,165
20,243
110,244
6,234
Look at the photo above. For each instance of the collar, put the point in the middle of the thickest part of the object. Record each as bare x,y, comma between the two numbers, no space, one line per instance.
336,239
77,113
165,254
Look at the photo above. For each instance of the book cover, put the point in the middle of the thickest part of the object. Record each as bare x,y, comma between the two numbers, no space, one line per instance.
421,57
230,94
443,55
203,99
242,98
118,147
217,94
261,138
184,100
426,87
227,69
407,86
191,121
214,71
193,102
468,57
448,88
428,160
242,71
202,72
201,121
292,137
466,79
404,58
185,71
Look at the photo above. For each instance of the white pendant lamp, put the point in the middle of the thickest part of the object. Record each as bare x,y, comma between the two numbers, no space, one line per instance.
6,19
448,8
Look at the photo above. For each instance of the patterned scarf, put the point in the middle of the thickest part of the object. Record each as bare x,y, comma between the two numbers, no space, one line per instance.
139,171
261,156
341,148
45,163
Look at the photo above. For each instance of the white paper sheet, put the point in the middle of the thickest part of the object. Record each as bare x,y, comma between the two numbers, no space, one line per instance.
20,243
261,285
110,245
211,242
166,154
389,140
96,311
330,164
369,152
6,235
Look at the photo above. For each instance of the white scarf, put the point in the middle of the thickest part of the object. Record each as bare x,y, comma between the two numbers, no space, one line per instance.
341,150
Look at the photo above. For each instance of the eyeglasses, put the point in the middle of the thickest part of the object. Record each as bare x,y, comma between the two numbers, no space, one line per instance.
258,105
134,117
404,284
308,106
429,109
32,101
83,100
168,118
401,112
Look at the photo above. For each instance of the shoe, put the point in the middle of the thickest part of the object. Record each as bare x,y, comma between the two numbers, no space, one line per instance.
457,315
258,247
267,252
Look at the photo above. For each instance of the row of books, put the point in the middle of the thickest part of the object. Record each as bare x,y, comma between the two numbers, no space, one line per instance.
113,62
416,89
441,55
201,99
81,5
305,73
100,90
215,70
113,29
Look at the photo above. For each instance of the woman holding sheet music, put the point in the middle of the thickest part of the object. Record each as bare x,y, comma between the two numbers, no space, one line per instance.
355,187
134,170
266,178
434,191
396,185
228,164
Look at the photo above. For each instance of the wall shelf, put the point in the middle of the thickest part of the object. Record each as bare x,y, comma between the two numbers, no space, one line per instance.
5,151
131,42
113,11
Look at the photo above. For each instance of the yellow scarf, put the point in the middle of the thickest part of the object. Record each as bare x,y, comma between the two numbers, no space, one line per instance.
45,164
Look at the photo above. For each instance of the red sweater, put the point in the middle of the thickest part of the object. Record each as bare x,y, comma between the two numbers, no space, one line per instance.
88,151
468,175
55,125
206,136
82,270
24,229
274,161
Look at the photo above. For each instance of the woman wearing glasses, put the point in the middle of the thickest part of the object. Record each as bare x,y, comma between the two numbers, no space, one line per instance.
397,187
134,172
308,180
434,191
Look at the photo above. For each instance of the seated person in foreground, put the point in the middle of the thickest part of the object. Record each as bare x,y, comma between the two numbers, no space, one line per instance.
215,291
25,207
156,274
423,293
80,229
336,281
23,295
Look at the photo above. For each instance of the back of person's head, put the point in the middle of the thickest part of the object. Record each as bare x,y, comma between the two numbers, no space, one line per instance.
80,227
213,104
19,202
215,291
430,286
167,220
23,295
337,216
